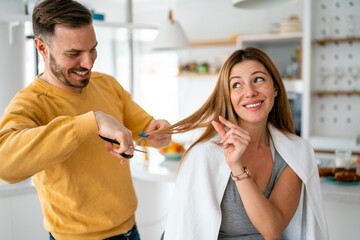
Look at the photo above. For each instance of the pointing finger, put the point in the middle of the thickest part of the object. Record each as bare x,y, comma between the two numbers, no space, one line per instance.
219,128
226,122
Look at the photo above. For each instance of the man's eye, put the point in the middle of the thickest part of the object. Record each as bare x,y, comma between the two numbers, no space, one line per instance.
74,54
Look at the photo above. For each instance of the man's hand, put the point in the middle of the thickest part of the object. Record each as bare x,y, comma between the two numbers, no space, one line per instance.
111,128
159,140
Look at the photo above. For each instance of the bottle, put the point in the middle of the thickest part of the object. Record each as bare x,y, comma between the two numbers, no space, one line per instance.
294,68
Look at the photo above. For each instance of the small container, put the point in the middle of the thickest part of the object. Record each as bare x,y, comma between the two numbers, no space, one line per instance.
343,158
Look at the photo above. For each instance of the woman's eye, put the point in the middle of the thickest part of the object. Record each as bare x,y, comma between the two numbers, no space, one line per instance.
258,79
236,85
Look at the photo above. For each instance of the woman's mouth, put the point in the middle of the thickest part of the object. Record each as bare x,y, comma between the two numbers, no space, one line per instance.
253,105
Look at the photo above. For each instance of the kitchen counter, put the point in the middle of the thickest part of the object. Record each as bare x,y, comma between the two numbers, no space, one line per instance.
341,193
160,170
9,190
157,169
154,181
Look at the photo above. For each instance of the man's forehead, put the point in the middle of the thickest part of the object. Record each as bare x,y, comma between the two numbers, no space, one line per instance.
61,29
77,38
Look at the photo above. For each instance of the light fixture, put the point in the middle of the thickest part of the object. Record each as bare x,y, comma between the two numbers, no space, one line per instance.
259,4
171,36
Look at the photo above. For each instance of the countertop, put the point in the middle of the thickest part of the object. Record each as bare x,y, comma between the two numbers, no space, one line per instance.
157,169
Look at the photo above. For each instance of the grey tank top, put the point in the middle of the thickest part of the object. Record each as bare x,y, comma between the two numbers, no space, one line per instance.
235,223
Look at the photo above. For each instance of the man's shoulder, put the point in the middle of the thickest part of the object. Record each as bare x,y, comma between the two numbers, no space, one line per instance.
99,75
103,79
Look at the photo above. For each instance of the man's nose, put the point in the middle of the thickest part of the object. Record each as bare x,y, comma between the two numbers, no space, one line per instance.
87,61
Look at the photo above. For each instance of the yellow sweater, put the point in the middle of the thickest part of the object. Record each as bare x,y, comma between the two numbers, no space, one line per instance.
52,135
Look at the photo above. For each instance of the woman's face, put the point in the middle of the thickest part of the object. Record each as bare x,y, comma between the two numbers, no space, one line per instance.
252,92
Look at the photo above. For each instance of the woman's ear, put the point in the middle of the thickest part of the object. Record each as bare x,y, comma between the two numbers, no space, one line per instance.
41,46
275,92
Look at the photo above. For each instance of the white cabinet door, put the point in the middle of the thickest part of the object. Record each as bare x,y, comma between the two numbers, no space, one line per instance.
27,218
5,218
21,216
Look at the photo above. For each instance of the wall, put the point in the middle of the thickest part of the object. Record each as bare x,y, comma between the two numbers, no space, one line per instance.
215,19
12,52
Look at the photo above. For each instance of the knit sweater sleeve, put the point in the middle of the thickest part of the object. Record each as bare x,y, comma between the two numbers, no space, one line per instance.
28,145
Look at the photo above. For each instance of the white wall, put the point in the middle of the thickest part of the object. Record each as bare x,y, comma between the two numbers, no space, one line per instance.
201,19
12,52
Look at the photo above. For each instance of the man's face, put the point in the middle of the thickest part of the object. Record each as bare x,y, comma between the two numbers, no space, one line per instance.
70,57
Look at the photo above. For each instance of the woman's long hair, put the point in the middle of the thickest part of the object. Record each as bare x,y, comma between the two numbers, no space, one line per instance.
219,103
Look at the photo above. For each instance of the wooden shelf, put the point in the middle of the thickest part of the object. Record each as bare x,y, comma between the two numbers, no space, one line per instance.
329,93
333,40
123,25
252,38
195,74
271,37
213,43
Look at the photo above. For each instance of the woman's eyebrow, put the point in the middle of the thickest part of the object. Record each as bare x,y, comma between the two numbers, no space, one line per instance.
258,72
234,77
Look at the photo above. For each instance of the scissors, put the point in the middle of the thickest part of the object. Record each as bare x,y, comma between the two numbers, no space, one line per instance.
124,155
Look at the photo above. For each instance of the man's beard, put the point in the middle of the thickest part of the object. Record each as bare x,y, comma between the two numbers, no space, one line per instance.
60,74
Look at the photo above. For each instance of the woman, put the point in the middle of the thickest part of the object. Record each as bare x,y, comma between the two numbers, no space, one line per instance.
248,176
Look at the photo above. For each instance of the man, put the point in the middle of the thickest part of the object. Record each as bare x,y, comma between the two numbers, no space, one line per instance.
50,132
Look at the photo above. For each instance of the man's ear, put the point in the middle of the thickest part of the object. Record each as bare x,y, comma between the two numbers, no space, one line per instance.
42,47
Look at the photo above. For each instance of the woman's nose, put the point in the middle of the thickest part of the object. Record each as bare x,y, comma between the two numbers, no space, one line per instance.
250,90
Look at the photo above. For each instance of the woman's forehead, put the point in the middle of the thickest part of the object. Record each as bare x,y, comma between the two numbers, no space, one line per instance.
247,67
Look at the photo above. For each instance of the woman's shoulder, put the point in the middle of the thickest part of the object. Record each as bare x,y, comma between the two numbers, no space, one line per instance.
287,137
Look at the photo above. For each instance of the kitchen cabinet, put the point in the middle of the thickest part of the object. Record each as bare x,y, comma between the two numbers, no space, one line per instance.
353,70
332,66
21,216
282,49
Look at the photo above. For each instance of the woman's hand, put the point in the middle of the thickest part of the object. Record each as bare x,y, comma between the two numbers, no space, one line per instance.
235,142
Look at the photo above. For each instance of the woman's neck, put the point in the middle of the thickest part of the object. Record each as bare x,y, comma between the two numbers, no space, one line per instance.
259,135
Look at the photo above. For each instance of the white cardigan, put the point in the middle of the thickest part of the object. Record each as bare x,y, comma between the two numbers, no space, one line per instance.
195,212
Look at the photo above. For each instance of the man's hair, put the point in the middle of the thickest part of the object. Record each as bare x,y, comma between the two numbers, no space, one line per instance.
48,14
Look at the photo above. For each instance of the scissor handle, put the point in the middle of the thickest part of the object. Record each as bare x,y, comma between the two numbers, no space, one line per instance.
109,140
124,155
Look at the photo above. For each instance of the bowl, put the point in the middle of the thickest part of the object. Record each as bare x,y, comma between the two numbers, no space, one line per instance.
172,156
